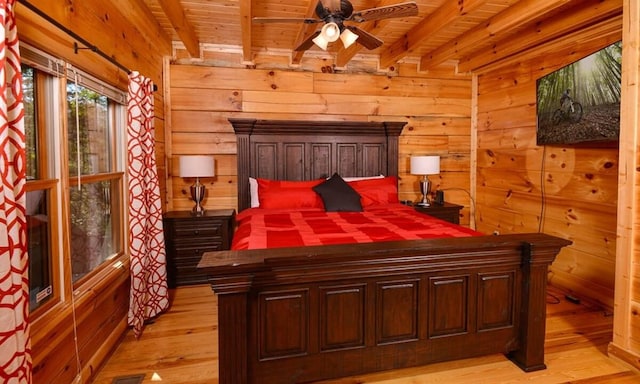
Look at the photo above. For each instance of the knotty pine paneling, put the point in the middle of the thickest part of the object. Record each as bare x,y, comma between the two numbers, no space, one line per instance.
201,143
391,86
208,122
584,187
430,125
211,121
188,99
260,101
226,78
436,107
516,179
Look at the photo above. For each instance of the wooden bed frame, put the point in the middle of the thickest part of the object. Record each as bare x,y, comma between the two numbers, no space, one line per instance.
304,314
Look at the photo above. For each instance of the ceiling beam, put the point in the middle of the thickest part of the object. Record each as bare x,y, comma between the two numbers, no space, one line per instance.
560,26
175,13
448,13
246,25
519,13
596,36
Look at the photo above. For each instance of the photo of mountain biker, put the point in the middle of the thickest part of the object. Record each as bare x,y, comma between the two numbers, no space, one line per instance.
564,98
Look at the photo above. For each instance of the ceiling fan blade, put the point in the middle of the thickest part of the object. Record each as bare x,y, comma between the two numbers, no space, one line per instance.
367,40
266,20
308,43
396,10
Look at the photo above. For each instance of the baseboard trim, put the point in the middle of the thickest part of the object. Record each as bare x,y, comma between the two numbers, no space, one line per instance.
627,357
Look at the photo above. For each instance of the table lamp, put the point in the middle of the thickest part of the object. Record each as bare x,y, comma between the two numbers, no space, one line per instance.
425,165
197,166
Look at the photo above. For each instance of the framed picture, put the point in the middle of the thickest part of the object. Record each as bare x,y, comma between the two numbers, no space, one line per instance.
579,104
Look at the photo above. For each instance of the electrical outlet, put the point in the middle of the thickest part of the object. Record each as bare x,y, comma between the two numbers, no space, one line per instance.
496,233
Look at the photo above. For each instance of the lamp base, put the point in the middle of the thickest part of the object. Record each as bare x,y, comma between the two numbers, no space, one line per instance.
425,188
197,194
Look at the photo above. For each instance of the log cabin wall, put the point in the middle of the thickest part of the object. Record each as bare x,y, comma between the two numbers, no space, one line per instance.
204,94
100,308
626,325
574,190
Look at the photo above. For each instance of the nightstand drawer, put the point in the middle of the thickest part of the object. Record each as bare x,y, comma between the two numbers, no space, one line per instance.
216,243
187,237
207,228
189,254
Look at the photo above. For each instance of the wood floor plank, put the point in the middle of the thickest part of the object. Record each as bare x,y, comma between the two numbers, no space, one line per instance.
181,347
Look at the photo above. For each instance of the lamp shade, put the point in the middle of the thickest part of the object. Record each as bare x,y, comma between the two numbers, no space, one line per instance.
330,32
425,165
348,37
321,42
196,166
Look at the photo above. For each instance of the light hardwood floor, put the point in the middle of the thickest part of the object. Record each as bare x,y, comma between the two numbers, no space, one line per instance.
181,347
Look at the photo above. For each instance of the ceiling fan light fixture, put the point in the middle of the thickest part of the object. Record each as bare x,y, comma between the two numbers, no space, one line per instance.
331,32
321,42
348,38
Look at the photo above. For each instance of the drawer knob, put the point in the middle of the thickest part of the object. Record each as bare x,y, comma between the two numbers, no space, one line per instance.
197,232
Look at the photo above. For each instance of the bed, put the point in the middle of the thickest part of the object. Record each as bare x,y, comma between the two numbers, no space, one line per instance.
309,312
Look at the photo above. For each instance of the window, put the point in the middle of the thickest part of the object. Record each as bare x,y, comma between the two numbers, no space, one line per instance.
75,178
94,185
41,189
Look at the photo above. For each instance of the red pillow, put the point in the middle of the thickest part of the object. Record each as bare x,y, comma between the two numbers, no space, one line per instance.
377,191
274,194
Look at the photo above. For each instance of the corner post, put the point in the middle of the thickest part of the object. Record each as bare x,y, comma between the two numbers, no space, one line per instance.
533,311
232,295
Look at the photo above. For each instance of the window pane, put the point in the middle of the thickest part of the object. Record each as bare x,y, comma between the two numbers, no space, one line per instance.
31,134
94,237
38,247
89,131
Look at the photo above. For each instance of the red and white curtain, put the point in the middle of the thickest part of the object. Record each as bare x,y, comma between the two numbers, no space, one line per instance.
149,295
15,340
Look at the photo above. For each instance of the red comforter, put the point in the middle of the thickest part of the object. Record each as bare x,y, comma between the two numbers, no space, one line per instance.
273,228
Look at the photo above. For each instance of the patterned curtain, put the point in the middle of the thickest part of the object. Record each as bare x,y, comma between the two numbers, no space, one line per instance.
15,340
149,295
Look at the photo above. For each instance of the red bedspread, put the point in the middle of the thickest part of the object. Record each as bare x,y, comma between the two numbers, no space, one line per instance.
273,228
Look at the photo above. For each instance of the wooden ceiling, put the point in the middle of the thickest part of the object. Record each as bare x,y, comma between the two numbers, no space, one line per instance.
471,33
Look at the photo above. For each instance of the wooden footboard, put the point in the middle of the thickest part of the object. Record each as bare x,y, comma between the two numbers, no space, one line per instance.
298,315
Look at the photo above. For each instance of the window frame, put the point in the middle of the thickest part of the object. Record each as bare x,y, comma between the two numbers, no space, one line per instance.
50,96
44,88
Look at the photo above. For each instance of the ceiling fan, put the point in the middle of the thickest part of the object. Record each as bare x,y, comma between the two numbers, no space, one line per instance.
334,14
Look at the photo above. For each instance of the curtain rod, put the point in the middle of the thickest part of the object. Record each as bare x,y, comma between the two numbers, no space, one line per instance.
69,32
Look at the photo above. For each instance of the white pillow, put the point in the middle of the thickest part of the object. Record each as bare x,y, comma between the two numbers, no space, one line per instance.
348,179
253,192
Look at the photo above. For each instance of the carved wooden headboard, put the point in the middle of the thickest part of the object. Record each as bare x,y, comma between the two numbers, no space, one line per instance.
307,150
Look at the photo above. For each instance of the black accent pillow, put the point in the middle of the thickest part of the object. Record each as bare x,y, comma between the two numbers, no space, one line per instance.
338,196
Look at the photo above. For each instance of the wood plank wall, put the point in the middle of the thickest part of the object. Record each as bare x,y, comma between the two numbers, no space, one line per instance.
99,310
580,187
436,105
626,326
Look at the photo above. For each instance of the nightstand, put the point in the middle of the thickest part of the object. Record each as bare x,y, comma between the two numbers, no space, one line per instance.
187,237
447,211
